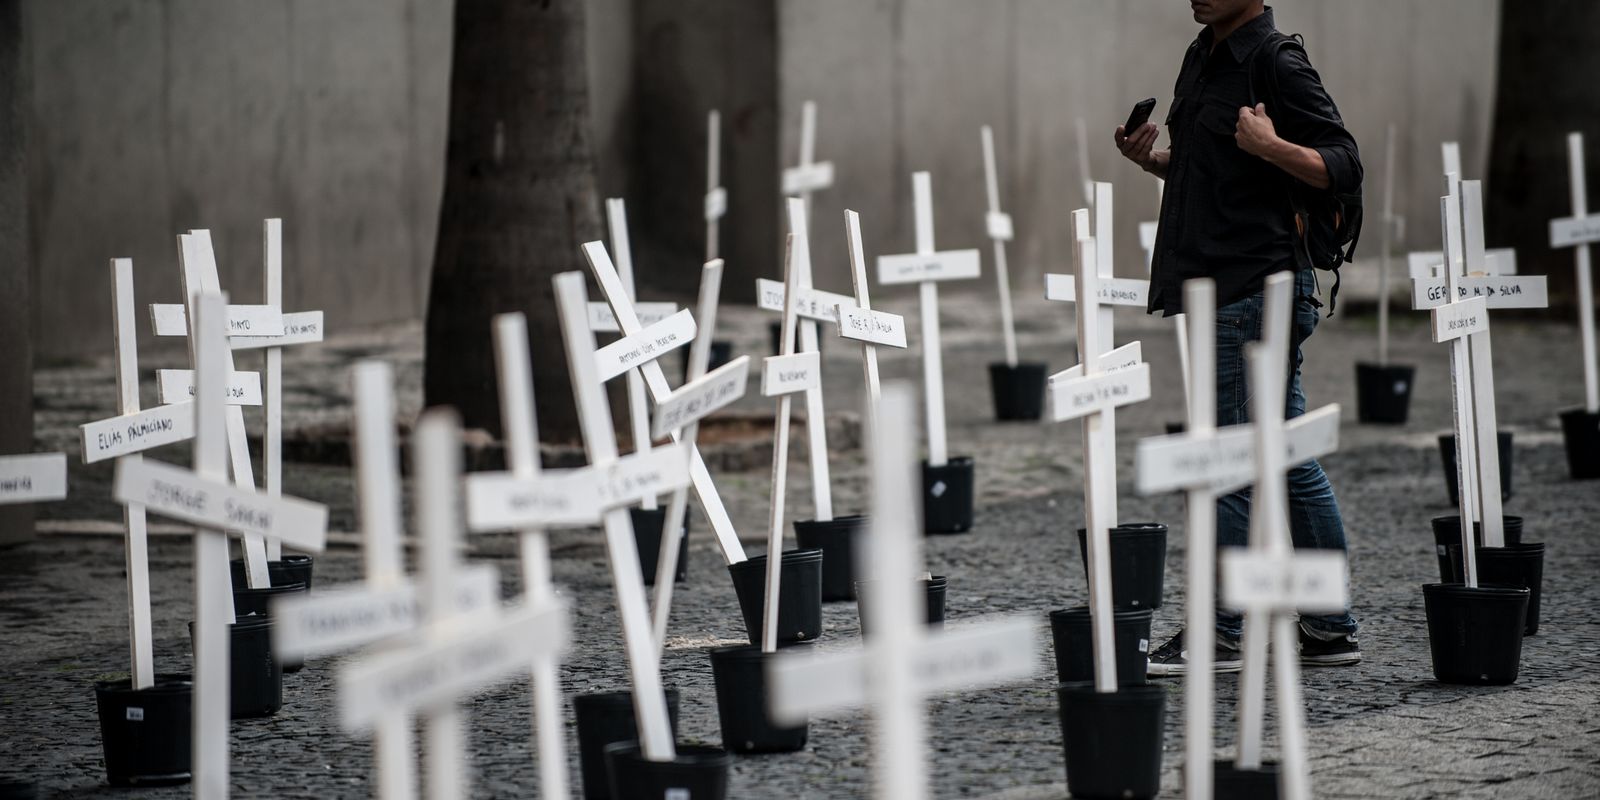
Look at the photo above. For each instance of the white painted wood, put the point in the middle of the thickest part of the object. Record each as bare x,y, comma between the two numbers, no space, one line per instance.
136,431
1385,244
1429,263
1127,356
130,428
339,620
177,386
1104,236
272,373
780,450
701,397
1096,438
858,280
638,408
594,416
810,175
1113,291
716,202
1000,230
1479,350
1579,231
688,424
197,263
1459,320
813,304
1223,461
507,501
874,327
611,285
948,265
1312,581
1099,393
816,414
1451,155
299,327
789,374
436,471
1084,175
1461,381
1499,291
33,478
183,495
630,351
170,319
601,320
1200,311
213,597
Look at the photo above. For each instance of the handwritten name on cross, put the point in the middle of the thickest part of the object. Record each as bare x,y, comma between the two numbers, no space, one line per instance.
861,323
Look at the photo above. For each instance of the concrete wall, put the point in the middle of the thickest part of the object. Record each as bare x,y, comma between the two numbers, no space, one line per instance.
905,85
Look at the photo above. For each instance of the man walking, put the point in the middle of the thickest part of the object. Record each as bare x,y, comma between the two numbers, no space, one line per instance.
1246,139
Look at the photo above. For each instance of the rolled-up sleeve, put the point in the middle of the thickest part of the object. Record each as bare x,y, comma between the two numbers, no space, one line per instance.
1307,116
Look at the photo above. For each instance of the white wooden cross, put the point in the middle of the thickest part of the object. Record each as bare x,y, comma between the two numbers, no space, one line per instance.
1269,581
628,481
783,375
927,267
456,653
1000,230
33,478
1090,396
810,175
1478,277
205,499
638,407
903,663
655,380
125,436
1579,231
863,324
301,327
810,306
385,607
716,202
1430,263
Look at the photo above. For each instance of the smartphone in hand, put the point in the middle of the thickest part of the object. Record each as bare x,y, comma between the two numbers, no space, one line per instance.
1139,115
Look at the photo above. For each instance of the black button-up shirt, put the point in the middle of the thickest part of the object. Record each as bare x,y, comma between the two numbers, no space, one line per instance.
1227,214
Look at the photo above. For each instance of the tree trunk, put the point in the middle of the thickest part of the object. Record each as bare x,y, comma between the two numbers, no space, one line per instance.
16,264
519,200
1549,55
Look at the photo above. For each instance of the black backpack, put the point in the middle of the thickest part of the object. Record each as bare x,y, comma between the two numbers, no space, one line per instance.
1329,223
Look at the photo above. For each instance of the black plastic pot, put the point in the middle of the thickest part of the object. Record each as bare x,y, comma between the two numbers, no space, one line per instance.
947,496
1512,565
1580,430
647,527
1073,636
1447,531
1018,390
1233,783
740,674
1447,452
698,773
836,538
933,590
18,790
259,601
799,595
1383,393
255,679
1174,428
145,733
1138,563
1113,740
292,568
605,718
1475,634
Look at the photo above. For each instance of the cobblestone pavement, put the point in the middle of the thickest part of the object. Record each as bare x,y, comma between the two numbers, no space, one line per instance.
1380,729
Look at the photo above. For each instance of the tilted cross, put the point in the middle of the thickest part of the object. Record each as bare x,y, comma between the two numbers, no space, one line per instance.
861,323
1000,231
811,175
1578,232
716,200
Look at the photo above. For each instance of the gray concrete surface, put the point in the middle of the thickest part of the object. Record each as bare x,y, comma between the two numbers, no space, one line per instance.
1381,729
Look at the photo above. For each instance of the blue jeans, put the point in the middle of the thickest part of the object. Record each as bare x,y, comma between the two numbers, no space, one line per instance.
1314,519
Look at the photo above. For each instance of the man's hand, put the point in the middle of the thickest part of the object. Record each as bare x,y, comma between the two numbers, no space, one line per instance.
1255,133
1139,147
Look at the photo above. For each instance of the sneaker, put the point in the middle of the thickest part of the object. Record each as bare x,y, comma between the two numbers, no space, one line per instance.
1338,652
1171,659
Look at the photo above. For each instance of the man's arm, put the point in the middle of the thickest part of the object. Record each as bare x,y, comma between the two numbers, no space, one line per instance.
1257,136
1305,136
1140,149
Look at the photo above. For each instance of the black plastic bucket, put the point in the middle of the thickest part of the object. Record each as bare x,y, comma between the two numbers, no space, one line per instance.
1175,428
1447,531
740,674
1475,635
255,679
647,527
1512,565
12,789
292,568
1073,637
1138,563
1447,452
1383,393
933,592
836,538
1580,431
145,733
698,773
1018,391
1233,783
799,595
1113,740
605,718
947,496
259,601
